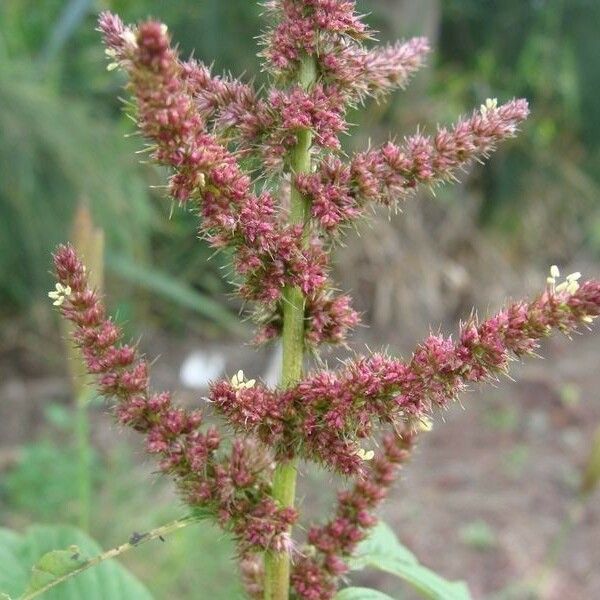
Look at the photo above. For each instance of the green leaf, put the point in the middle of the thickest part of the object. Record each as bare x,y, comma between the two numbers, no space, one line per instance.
360,593
54,565
382,550
13,574
202,512
379,543
30,561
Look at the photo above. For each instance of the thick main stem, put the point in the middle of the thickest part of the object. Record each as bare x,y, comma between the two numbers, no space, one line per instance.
277,564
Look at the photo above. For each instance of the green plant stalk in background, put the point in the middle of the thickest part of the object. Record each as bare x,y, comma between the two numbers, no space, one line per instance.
89,241
277,564
84,458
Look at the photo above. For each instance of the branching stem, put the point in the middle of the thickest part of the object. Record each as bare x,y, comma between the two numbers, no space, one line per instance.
277,564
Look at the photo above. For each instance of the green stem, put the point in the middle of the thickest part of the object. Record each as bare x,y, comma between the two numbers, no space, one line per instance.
277,564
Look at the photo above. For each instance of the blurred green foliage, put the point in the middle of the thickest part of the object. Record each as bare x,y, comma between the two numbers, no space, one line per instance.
45,470
63,140
546,191
200,557
56,149
54,152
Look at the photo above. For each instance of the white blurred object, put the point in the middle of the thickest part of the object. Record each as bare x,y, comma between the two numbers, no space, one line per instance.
273,372
200,368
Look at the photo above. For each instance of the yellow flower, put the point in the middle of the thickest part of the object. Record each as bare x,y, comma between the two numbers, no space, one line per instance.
365,454
490,104
570,285
238,383
59,294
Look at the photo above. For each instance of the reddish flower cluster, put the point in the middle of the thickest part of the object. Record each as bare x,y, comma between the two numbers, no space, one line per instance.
338,191
307,26
315,575
359,73
266,126
218,98
252,572
234,486
324,416
320,109
332,33
175,101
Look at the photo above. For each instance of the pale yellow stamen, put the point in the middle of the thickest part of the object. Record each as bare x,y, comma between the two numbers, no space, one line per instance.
490,104
570,284
551,280
238,383
59,293
365,454
129,37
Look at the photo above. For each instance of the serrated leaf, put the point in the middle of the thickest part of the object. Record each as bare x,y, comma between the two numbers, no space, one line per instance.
360,593
30,561
382,550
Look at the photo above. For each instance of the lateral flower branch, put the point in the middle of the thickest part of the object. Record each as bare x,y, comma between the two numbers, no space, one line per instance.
280,221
